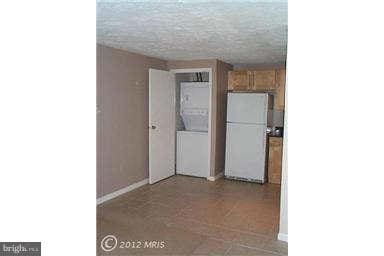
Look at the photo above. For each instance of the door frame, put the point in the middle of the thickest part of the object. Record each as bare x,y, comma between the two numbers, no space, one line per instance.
195,70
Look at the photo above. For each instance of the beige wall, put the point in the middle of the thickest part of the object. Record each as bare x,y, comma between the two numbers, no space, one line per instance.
122,98
122,124
221,115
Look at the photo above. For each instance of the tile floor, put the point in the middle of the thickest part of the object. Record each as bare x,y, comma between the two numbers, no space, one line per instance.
193,216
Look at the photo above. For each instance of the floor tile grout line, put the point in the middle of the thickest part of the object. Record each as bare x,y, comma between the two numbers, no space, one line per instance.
200,243
251,247
231,210
227,251
260,249
209,224
232,229
232,243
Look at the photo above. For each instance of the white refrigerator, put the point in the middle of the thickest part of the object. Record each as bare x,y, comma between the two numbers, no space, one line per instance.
248,115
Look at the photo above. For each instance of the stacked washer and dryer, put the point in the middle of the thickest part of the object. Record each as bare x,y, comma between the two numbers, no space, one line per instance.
192,143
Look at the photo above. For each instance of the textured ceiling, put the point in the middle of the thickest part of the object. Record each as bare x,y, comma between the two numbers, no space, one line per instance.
238,32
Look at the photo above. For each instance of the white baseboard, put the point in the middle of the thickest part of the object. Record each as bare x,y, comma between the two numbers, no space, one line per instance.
218,176
121,191
282,237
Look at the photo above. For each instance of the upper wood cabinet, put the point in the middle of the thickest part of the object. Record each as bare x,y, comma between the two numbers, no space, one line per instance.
257,80
280,90
272,81
240,80
264,80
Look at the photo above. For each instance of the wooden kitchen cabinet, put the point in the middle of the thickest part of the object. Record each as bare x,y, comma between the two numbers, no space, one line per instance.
279,97
272,81
275,159
240,80
264,80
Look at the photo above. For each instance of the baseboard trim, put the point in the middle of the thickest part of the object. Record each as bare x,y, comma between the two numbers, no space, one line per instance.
282,237
121,191
218,176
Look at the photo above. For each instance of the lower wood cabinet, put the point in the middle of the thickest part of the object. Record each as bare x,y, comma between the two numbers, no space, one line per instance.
275,159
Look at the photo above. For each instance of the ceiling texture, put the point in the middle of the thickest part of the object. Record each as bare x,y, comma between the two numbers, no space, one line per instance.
237,32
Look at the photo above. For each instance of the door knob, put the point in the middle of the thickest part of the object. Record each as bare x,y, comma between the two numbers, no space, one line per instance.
152,127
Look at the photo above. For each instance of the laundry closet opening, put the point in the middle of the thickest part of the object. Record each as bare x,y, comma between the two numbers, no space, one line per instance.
192,140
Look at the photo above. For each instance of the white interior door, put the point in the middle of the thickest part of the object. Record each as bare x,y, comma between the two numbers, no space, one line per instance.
161,125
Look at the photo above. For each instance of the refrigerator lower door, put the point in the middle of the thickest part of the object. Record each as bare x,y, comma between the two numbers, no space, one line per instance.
245,152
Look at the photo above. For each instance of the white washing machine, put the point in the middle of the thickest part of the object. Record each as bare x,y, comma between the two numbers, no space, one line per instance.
192,153
192,144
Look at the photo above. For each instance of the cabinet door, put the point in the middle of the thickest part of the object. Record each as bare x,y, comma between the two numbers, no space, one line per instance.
274,160
264,80
239,80
280,90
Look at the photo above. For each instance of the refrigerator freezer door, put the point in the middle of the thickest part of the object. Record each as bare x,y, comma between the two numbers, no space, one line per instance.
247,108
245,151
